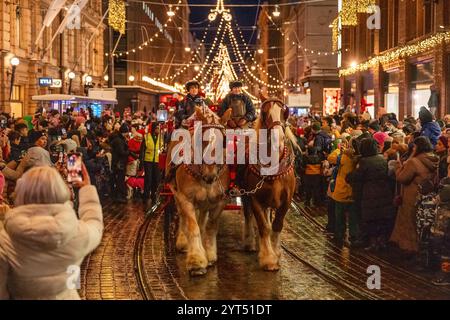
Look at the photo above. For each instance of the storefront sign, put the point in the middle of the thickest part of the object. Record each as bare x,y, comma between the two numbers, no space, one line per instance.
45,82
299,100
56,83
331,100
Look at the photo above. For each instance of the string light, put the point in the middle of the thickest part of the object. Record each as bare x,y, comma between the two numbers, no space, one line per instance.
170,13
277,12
400,53
144,43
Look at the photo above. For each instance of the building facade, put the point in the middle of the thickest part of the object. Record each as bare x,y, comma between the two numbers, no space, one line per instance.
140,53
298,49
393,66
20,24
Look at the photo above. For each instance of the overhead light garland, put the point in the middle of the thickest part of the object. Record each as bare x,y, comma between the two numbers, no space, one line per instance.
220,10
402,52
117,15
149,40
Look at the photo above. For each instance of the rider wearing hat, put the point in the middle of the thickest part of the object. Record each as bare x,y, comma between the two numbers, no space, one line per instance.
242,107
187,106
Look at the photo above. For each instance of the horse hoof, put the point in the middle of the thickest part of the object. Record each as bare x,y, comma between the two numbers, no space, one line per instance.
250,248
272,267
197,272
212,263
182,249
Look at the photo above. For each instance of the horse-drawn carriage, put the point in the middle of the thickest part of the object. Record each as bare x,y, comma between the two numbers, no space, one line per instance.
201,192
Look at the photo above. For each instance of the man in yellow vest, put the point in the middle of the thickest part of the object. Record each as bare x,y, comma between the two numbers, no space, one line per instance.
149,160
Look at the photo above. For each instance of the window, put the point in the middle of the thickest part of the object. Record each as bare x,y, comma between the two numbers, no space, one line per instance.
428,16
17,29
16,93
393,12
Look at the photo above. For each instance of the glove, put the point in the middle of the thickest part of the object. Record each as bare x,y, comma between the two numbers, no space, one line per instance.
231,124
242,123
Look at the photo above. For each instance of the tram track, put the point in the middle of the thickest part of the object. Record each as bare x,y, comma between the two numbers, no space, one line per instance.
401,275
155,265
158,275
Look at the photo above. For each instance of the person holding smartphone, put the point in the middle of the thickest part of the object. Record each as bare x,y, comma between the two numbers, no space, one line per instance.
55,239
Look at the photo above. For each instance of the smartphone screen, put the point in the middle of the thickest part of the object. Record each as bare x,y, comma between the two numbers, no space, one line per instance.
63,131
74,167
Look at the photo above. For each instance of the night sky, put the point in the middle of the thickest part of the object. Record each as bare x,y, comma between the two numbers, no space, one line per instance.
245,16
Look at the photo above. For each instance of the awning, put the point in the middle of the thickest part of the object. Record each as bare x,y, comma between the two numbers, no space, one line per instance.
72,98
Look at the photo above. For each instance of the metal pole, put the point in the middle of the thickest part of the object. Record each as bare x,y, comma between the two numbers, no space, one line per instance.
12,82
111,59
70,86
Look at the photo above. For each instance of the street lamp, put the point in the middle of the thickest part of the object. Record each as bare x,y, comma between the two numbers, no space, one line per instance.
14,62
71,76
260,51
88,79
187,49
277,12
106,77
131,78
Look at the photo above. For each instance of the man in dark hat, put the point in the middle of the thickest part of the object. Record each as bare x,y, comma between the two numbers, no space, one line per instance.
241,104
187,107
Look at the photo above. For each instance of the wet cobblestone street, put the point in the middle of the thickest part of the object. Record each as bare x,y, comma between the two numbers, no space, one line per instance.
137,260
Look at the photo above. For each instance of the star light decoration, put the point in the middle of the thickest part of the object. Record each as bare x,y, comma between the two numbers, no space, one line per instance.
220,10
403,52
117,15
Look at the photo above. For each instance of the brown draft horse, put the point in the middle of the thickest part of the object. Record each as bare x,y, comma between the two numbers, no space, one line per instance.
199,193
273,196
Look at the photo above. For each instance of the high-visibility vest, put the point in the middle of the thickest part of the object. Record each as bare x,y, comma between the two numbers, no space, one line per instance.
152,148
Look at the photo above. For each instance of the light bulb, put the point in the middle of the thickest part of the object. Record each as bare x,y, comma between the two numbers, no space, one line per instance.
15,61
131,78
170,13
71,75
277,12
106,77
88,79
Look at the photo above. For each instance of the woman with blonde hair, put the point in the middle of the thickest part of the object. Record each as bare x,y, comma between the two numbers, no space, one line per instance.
43,242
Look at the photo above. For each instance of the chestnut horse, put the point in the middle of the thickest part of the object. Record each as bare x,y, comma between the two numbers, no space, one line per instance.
199,192
271,195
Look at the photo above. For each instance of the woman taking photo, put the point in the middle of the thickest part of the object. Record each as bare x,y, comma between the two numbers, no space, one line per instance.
43,240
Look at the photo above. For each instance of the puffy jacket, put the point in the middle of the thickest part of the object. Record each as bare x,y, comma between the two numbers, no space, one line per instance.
432,131
343,191
119,151
41,244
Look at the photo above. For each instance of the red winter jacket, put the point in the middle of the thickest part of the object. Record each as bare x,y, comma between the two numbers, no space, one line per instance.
134,146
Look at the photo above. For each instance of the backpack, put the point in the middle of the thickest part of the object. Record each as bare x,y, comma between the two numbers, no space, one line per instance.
335,173
427,206
328,144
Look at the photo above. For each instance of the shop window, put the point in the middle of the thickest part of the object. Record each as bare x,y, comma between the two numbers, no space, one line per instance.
422,77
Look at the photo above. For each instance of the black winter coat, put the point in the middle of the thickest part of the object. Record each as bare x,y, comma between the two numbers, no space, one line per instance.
119,151
373,188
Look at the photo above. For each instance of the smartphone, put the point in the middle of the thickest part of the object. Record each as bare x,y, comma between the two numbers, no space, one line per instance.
74,163
63,131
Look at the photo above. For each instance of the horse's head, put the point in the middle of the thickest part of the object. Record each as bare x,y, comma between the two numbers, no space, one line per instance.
211,172
274,114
